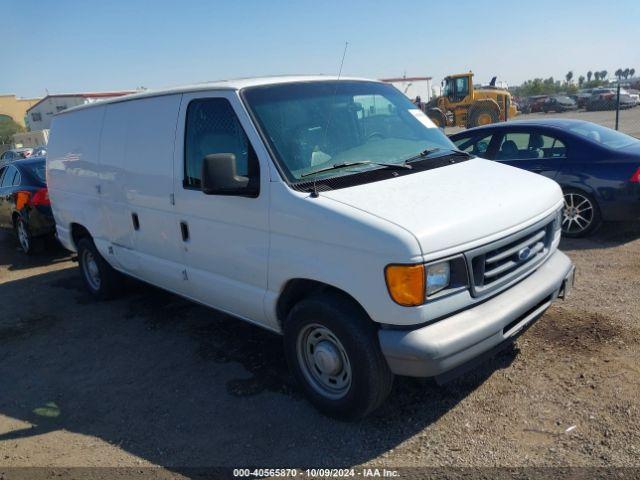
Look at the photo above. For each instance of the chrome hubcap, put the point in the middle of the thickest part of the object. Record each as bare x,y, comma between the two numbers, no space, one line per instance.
324,361
577,214
23,236
91,270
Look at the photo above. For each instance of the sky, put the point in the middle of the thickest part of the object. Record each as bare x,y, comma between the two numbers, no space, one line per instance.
98,45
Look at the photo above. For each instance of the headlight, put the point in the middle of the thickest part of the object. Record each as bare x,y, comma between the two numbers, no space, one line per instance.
438,277
412,285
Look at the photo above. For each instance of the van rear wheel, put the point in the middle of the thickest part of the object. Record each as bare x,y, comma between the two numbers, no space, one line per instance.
333,351
100,278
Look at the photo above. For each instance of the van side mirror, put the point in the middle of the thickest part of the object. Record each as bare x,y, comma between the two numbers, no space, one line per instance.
219,177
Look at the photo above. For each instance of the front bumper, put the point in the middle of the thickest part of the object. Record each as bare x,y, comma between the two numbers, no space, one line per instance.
456,340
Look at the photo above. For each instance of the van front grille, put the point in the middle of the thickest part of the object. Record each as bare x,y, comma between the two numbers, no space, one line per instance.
510,258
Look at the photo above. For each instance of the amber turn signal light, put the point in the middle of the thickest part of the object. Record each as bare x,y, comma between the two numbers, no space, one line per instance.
406,284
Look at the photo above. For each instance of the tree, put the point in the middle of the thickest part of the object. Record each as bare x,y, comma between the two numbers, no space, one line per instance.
603,74
569,76
7,128
625,73
596,75
581,80
619,73
632,72
589,75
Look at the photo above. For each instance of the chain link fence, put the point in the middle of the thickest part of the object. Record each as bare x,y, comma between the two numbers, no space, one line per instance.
615,106
463,105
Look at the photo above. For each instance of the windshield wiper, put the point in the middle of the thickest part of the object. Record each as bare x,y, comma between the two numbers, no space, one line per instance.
337,166
429,151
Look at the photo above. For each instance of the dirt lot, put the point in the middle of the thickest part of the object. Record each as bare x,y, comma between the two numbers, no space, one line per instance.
150,379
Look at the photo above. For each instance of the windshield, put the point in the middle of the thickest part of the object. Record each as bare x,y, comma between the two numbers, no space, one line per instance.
315,125
604,136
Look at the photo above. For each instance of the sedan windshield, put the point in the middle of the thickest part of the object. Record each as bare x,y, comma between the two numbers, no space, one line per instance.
334,128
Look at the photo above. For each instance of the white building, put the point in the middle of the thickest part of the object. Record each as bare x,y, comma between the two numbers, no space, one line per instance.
39,115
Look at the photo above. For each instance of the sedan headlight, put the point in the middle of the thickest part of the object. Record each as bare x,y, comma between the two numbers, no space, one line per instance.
438,277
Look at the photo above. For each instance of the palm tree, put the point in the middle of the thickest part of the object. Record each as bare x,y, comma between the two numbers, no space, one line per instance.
625,73
603,74
581,80
619,73
589,75
632,72
596,75
569,76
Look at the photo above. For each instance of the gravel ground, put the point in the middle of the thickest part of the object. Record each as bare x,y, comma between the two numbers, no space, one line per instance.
151,379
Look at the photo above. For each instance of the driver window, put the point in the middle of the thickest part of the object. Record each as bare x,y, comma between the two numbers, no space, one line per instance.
529,146
213,127
462,87
475,145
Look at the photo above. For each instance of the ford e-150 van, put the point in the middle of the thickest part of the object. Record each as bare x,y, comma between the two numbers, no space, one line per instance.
331,211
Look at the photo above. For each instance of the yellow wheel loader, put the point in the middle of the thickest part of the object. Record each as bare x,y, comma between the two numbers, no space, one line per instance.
463,105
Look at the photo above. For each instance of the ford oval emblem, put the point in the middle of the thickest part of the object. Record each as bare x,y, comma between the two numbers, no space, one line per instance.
524,254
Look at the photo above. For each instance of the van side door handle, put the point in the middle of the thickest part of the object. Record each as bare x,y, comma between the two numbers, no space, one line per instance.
184,229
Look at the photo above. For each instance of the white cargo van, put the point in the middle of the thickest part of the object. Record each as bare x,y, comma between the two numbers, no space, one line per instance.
328,210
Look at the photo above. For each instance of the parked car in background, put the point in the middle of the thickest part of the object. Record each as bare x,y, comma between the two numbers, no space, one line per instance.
371,243
582,97
522,104
536,103
597,168
608,100
558,103
39,151
15,154
24,202
634,94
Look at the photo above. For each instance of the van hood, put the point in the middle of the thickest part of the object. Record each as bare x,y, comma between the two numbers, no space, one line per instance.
457,204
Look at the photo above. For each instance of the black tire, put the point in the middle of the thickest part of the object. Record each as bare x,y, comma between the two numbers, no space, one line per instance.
477,112
572,226
28,243
370,378
101,279
438,117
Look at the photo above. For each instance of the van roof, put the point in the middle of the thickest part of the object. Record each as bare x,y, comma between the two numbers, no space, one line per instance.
233,84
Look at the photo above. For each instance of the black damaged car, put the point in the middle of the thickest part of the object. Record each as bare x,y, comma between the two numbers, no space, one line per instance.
24,202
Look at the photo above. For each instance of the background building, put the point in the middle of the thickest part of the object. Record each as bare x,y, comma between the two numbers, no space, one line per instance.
31,139
40,114
16,108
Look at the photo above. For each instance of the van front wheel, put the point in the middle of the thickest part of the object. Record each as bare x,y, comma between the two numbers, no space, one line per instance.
333,351
99,277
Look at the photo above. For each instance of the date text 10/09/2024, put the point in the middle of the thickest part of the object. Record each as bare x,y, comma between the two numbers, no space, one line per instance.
316,472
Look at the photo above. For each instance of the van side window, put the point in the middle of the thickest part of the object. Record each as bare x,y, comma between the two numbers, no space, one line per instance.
213,127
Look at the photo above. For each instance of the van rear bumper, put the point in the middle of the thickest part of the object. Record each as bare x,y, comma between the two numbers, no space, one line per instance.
453,341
